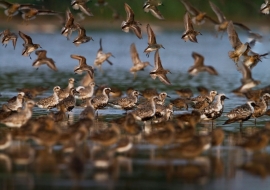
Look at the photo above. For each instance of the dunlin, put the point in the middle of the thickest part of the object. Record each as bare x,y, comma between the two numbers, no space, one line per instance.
152,44
43,59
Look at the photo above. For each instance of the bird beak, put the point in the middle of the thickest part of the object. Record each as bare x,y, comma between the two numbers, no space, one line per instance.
168,96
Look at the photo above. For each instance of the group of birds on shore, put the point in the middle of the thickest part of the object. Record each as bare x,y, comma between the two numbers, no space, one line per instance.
165,127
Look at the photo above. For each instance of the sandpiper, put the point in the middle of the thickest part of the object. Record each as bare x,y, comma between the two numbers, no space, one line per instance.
189,34
126,103
138,65
251,59
215,109
43,59
30,13
51,101
14,103
265,7
241,113
147,112
63,93
101,101
86,91
82,65
199,17
70,26
247,81
7,36
199,66
12,9
20,118
152,44
81,4
261,107
28,45
151,5
159,71
238,46
200,102
88,112
70,101
81,38
101,56
130,23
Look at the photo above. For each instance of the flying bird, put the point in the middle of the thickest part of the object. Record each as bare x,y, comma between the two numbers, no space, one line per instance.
151,5
101,56
28,45
189,34
43,59
81,38
7,36
152,44
81,4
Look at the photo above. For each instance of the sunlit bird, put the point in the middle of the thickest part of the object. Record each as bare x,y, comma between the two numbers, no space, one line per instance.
7,36
101,56
12,9
81,38
30,13
189,34
70,26
43,59
151,5
81,4
28,45
82,65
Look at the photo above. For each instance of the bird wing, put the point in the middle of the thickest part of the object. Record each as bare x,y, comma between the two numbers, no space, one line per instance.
130,13
134,54
187,22
198,59
192,10
151,35
26,39
163,78
156,13
5,4
85,9
220,15
233,36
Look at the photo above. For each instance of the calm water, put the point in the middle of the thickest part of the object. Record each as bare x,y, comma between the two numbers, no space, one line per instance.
141,168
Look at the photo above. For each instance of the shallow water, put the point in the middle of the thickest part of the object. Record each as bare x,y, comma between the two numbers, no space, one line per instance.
138,168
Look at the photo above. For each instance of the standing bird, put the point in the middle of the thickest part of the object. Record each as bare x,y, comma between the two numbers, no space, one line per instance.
199,17
28,45
51,101
241,113
201,102
101,56
215,109
70,26
14,103
159,71
43,59
65,92
151,5
20,118
86,91
7,36
199,66
261,107
101,101
81,4
152,44
265,7
138,65
81,38
238,46
189,34
126,103
130,23
68,102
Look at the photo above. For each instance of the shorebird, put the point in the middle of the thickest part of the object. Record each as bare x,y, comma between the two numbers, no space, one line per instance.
88,112
247,81
81,38
63,93
265,7
130,23
70,26
51,101
7,36
251,59
14,103
159,71
185,93
82,65
86,91
215,109
199,66
138,65
200,102
199,17
101,56
68,102
101,101
147,112
189,34
152,44
28,45
20,118
81,4
151,5
180,103
30,13
12,9
241,113
261,107
108,136
128,102
238,46
43,59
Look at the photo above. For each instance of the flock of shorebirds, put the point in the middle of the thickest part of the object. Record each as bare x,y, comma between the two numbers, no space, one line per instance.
167,128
